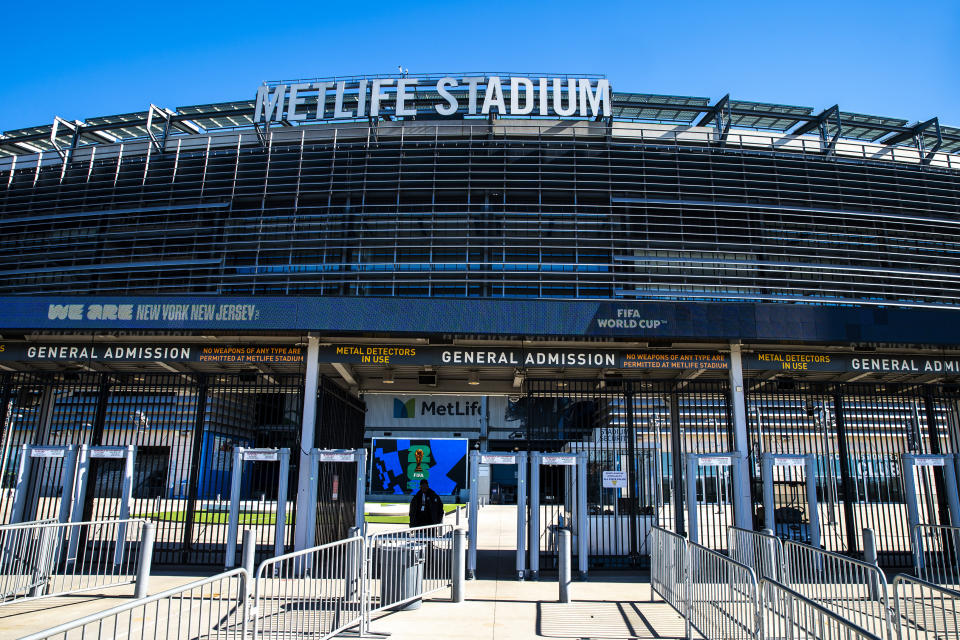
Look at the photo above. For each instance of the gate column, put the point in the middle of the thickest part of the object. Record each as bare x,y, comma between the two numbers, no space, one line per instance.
311,382
742,500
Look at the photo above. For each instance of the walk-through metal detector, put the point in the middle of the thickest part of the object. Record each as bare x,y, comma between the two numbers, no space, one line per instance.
947,463
87,453
241,455
28,455
320,456
694,462
809,463
576,484
520,460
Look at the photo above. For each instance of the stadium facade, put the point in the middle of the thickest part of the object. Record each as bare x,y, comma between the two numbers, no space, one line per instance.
530,261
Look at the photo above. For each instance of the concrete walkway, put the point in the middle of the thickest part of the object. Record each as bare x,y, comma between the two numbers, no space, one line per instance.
18,619
610,605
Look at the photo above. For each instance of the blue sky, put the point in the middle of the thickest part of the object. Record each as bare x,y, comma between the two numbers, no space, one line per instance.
899,59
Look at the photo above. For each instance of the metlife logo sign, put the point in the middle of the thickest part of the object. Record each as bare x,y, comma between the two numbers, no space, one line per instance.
446,411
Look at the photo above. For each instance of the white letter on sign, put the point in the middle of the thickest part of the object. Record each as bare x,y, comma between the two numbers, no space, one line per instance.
515,108
451,107
403,95
269,107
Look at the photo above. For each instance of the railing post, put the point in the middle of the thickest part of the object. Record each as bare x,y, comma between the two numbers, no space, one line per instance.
41,573
248,559
458,588
564,572
870,557
687,590
353,567
770,549
147,537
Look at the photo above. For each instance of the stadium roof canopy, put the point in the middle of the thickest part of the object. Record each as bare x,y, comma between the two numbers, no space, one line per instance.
830,124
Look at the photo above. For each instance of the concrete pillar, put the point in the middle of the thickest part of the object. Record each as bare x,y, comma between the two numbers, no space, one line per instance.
741,444
311,383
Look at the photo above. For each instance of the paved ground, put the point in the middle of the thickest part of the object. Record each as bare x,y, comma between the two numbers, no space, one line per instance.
610,605
18,619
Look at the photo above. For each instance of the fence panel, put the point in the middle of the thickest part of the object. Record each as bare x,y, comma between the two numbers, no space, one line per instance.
936,554
787,615
405,565
39,559
854,590
760,551
925,611
209,608
723,595
312,593
668,567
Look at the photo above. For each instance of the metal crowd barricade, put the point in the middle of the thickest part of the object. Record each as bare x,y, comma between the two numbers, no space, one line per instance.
854,590
668,567
723,598
39,559
761,551
925,611
405,565
209,608
787,615
936,554
313,593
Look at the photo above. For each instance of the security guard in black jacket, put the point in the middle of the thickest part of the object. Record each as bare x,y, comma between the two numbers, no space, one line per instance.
426,508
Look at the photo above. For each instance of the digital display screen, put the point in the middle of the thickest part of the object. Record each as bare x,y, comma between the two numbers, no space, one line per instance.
398,465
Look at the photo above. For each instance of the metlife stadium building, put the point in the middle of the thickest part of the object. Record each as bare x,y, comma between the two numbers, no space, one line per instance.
682,288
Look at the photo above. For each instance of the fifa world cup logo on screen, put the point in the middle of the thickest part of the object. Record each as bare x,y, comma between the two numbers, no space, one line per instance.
419,461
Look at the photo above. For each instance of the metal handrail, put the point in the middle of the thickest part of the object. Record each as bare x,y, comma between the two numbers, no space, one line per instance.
46,558
837,580
325,580
722,595
826,624
758,555
143,603
436,560
934,614
668,567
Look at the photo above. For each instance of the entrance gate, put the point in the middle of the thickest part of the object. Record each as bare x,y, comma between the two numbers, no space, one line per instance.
789,524
574,515
332,459
923,464
861,436
46,474
723,482
74,492
519,459
241,456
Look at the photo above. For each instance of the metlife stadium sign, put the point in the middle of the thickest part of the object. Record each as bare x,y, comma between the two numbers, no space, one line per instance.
471,95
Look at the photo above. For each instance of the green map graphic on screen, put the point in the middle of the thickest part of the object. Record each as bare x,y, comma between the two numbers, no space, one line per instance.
418,465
